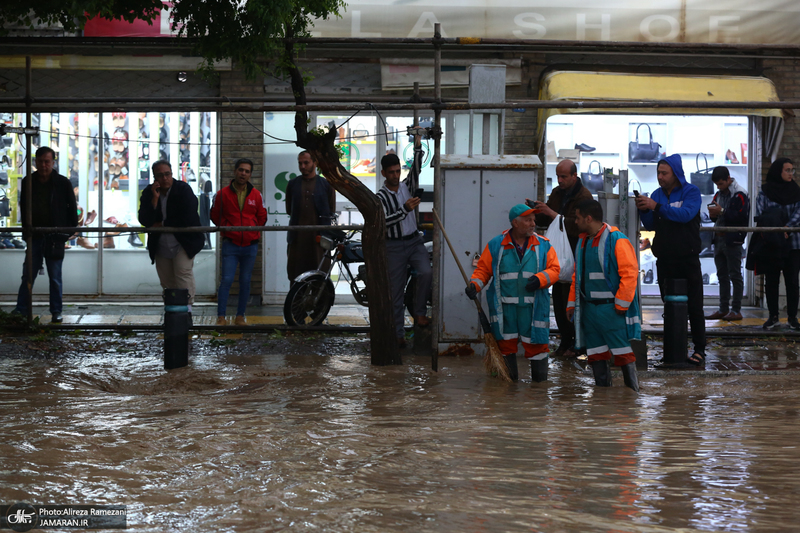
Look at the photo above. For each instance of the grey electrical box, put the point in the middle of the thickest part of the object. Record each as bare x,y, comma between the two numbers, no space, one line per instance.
478,193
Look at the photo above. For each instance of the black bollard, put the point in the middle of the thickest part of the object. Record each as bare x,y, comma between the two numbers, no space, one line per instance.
676,317
176,328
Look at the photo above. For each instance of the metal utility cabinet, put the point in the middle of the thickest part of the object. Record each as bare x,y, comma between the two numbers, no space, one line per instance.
478,193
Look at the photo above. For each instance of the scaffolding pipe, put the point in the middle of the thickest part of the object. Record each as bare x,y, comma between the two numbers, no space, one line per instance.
437,192
155,104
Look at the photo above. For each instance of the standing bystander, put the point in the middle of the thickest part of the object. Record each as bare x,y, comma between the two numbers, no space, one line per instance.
673,212
730,207
310,201
53,204
171,203
238,204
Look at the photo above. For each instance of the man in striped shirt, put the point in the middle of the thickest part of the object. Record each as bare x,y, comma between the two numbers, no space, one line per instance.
404,245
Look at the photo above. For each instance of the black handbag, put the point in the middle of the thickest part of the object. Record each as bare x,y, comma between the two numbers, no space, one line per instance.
702,178
593,181
644,153
5,204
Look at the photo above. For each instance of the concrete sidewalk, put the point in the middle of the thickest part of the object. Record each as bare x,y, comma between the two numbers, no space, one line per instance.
205,313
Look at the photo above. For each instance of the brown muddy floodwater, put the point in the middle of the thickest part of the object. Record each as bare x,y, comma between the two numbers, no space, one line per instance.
304,435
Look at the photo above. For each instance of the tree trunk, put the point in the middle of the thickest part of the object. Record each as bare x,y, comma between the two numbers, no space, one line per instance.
383,342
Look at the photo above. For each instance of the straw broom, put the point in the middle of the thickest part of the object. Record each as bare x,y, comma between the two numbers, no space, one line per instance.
493,360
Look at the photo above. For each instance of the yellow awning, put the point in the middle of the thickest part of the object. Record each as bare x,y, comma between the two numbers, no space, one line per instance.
582,86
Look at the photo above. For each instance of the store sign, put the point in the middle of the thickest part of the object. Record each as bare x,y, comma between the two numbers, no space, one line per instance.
158,27
702,21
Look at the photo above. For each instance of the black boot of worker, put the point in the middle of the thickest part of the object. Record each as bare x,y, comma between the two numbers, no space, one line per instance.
629,374
539,369
602,373
511,365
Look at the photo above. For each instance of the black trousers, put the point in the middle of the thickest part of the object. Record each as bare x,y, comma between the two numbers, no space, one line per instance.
565,327
687,268
790,266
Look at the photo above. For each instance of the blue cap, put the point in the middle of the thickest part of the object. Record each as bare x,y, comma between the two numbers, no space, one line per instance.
520,210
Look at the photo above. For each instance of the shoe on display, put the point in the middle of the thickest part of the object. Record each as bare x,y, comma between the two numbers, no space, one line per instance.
771,323
585,147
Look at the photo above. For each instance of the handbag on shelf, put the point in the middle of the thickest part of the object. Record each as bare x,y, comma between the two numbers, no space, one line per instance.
5,204
641,152
702,178
591,180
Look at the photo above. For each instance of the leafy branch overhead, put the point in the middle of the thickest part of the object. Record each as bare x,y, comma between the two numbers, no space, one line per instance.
249,33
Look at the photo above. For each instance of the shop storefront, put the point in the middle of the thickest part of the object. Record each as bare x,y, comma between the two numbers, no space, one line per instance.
704,138
114,262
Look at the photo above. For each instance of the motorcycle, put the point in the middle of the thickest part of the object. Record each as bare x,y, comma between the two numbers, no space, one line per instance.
313,292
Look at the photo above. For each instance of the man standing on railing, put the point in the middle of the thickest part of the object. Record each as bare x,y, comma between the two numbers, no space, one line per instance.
53,206
404,246
239,204
310,201
171,203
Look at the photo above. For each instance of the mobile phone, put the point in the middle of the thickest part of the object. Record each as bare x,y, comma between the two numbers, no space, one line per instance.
711,205
530,203
418,193
636,193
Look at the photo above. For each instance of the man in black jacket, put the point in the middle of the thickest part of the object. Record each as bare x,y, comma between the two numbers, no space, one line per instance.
171,203
53,205
730,207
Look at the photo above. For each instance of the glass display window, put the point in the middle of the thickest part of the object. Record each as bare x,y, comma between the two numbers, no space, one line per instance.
109,169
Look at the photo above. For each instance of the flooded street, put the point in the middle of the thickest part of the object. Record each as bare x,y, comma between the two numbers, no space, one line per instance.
302,434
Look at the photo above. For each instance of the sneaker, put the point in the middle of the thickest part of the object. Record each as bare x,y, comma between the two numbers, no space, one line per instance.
771,323
793,323
240,321
56,319
221,321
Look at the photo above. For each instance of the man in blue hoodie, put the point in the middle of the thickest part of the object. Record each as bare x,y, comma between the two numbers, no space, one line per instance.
673,212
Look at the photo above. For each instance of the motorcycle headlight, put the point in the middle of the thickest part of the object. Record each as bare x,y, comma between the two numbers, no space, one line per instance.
326,243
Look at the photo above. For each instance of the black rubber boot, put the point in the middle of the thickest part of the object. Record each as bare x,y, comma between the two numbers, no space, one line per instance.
511,365
630,377
602,373
539,369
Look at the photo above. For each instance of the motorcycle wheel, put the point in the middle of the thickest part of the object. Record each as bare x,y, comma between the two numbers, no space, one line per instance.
299,308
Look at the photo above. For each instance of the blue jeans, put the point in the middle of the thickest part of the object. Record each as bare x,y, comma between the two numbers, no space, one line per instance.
245,257
54,273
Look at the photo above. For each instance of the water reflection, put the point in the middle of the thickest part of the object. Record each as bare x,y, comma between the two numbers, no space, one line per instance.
263,437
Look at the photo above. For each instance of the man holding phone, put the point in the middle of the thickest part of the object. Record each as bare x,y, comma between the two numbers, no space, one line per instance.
171,203
404,245
564,201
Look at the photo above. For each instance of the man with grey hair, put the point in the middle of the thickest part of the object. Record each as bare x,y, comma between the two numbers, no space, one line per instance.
171,203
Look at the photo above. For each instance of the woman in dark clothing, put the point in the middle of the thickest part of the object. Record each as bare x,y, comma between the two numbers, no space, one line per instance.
779,202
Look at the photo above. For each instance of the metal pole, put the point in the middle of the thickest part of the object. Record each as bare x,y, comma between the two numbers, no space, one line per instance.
437,193
28,222
101,148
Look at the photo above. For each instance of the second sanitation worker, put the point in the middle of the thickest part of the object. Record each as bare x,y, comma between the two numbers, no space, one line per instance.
602,298
521,267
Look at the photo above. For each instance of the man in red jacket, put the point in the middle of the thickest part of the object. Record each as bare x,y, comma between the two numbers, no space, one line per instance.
238,204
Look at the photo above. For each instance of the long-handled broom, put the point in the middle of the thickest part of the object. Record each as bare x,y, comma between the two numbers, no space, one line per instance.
493,360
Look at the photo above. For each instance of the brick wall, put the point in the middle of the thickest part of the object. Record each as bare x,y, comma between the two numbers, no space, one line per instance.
240,136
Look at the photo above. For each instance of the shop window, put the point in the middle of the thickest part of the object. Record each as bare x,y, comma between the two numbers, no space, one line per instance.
108,195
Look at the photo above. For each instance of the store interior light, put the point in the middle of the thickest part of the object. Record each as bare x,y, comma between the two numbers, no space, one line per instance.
182,77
